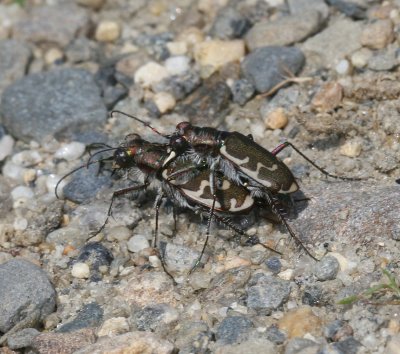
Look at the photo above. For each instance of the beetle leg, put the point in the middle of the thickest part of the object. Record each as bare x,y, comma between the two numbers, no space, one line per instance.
282,146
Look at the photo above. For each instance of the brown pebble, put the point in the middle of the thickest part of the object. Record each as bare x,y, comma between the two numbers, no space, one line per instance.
277,119
329,97
63,343
68,249
377,35
298,322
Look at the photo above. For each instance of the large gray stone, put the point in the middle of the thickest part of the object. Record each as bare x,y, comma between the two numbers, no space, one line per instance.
329,45
14,58
267,66
48,103
25,290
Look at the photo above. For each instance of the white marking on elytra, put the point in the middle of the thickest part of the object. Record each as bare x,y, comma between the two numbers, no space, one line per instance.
248,203
196,195
169,158
225,185
247,171
293,188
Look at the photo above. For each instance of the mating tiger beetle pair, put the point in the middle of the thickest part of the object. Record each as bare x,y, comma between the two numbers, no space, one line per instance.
217,173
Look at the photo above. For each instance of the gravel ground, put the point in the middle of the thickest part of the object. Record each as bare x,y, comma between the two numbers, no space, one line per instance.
322,74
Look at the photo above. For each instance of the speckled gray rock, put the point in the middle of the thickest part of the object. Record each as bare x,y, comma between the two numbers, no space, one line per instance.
360,202
329,46
52,102
53,24
22,339
256,345
384,60
242,91
14,58
354,9
24,289
297,345
312,295
233,329
152,317
327,268
296,29
266,293
267,66
193,337
298,7
91,315
229,24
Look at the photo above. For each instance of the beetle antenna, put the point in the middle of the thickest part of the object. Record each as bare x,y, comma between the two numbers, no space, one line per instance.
141,121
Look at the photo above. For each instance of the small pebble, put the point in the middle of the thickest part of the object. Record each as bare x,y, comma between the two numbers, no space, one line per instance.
164,101
286,274
70,151
155,261
191,36
80,270
20,224
52,55
242,90
13,171
217,53
22,192
6,146
274,264
51,182
29,175
300,321
118,233
329,97
113,326
351,149
108,31
177,48
360,58
233,329
327,268
27,158
150,73
277,119
137,243
377,35
343,67
177,65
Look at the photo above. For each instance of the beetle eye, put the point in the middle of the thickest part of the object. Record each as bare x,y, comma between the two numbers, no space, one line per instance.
121,157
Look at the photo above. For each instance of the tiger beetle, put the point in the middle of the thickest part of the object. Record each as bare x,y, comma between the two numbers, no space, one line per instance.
186,184
239,159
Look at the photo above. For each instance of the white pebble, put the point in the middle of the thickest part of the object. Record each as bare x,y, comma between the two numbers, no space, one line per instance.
13,171
27,158
150,73
137,243
70,151
108,31
343,67
22,192
360,58
177,48
51,182
20,224
177,65
286,274
155,261
164,101
351,149
6,146
80,270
